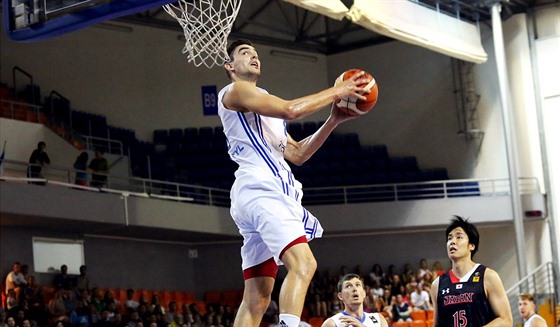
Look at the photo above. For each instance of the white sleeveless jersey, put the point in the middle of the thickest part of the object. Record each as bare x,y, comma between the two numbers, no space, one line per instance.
257,143
368,319
530,320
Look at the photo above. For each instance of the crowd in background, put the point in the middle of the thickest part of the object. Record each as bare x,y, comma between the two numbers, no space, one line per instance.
75,303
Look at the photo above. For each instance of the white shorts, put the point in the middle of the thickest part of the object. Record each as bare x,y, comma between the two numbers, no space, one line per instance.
269,216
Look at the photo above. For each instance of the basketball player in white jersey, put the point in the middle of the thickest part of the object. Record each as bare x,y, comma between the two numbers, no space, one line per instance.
265,197
526,306
352,294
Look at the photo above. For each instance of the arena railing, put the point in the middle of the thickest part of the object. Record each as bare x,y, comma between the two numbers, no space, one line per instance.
447,189
542,284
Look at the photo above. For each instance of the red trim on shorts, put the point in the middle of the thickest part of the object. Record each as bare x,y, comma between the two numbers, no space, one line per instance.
301,239
269,268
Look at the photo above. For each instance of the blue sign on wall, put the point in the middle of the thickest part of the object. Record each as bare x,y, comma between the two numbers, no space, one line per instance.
210,100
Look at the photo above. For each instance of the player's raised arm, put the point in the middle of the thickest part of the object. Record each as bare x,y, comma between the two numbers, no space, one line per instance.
245,96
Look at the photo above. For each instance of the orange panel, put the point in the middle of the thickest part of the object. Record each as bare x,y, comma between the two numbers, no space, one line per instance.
430,315
418,323
418,315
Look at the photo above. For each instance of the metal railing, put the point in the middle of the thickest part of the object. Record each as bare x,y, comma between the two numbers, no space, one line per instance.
541,284
56,175
52,175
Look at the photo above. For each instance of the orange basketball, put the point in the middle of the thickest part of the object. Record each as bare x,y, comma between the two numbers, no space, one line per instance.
352,105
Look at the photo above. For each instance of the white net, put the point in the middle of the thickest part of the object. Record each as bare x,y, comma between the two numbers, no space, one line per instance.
206,24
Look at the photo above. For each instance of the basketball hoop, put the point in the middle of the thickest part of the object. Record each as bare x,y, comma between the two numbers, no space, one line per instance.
206,25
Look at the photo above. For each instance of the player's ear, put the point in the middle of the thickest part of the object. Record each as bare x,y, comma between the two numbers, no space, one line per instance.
228,66
472,246
339,296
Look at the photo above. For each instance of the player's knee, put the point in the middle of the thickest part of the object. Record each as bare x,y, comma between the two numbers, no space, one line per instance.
306,267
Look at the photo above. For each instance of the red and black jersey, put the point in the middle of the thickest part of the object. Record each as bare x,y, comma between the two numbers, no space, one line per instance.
463,302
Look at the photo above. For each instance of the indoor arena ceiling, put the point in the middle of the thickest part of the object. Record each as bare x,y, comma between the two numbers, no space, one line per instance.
279,23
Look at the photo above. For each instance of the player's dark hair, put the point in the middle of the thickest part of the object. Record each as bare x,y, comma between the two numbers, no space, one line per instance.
232,48
234,45
346,278
470,229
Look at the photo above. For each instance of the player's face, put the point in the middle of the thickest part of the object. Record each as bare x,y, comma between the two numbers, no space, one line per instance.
352,292
246,63
526,308
458,244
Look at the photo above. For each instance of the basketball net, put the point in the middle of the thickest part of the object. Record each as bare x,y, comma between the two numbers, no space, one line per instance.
206,25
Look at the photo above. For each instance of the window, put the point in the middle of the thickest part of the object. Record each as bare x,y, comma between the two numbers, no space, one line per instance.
51,253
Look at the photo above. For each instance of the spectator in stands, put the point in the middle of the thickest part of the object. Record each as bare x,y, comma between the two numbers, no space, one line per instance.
80,315
109,298
135,320
377,289
420,299
82,281
423,269
391,272
171,311
527,311
488,302
401,310
352,294
37,160
57,308
396,285
62,280
81,166
10,322
16,281
155,305
130,304
437,269
34,295
96,306
408,272
376,274
100,168
176,321
12,303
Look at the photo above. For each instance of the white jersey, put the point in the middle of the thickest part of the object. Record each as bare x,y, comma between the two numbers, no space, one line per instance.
257,143
265,197
368,319
529,321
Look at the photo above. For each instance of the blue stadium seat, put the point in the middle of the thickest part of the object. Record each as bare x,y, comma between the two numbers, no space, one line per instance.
160,136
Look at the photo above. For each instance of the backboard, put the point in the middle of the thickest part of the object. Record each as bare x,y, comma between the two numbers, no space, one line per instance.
33,20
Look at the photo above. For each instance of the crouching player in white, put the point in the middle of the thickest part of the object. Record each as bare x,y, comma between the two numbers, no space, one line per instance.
352,294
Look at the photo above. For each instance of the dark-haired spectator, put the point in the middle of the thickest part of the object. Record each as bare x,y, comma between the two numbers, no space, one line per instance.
171,311
12,303
62,280
109,298
80,315
96,306
423,270
82,281
130,304
16,281
437,270
100,168
11,322
57,308
81,166
401,310
34,296
376,274
37,160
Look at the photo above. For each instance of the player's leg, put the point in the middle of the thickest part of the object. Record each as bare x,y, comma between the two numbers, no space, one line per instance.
259,283
301,266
